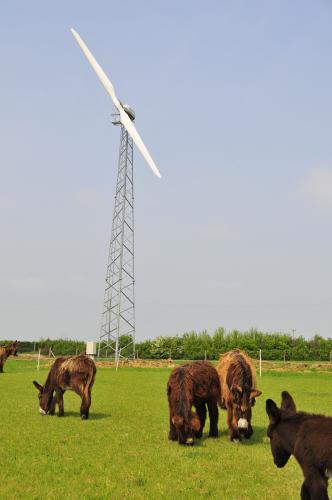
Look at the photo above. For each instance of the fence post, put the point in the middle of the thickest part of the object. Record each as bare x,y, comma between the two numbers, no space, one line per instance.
38,361
260,362
330,356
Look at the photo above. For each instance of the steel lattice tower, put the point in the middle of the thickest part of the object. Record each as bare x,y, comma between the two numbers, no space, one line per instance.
118,317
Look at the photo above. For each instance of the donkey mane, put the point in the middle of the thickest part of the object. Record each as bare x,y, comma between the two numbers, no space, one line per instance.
300,416
236,366
182,403
77,363
239,371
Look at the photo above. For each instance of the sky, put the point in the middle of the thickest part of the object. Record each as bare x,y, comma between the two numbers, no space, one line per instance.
233,100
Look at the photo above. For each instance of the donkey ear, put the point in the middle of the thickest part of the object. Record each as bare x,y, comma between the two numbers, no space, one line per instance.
273,411
255,393
38,386
287,402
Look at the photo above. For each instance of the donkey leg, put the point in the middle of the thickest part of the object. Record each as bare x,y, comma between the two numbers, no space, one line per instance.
59,400
233,430
315,484
53,405
213,415
201,412
305,493
173,433
1,367
86,402
317,487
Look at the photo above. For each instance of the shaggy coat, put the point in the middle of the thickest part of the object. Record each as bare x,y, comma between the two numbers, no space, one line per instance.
193,384
238,391
76,373
308,437
5,352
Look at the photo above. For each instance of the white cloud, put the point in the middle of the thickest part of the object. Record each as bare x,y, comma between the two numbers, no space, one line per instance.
318,185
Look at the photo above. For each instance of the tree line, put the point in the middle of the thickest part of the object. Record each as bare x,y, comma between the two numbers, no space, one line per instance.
200,345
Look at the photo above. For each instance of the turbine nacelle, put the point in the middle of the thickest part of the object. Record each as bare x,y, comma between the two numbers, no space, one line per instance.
130,112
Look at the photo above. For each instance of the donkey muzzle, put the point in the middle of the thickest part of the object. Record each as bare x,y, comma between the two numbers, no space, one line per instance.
41,411
242,424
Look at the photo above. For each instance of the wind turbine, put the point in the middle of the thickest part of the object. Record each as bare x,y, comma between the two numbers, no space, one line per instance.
118,317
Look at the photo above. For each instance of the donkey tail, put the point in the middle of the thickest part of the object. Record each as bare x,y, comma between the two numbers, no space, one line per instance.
90,379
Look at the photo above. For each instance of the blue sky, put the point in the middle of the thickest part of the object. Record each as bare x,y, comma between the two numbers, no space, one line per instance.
233,100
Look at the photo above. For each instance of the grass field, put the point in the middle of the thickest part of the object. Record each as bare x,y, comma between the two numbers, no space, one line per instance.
122,451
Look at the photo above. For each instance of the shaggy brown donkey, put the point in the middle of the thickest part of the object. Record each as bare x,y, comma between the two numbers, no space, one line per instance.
5,352
76,373
308,437
238,391
193,384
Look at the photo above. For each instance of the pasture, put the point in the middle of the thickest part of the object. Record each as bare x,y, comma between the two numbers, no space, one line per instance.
122,451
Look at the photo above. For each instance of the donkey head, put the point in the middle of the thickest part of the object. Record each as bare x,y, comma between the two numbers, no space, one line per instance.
186,427
45,398
14,348
280,447
243,399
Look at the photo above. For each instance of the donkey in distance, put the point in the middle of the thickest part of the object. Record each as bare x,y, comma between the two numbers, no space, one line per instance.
306,436
5,352
76,373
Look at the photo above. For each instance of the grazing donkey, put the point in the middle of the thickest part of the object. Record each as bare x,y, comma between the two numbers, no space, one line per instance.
306,436
5,352
75,373
238,391
193,384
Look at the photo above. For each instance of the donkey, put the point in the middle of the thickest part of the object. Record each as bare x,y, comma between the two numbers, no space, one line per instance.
75,373
193,384
306,436
5,352
238,392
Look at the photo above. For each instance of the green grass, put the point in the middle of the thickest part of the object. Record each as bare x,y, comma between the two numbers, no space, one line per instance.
122,451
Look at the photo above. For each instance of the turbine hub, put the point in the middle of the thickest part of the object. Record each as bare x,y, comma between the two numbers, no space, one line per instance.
130,112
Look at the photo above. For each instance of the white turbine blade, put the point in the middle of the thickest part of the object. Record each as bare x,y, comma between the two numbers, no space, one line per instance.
97,68
125,120
128,124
